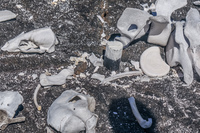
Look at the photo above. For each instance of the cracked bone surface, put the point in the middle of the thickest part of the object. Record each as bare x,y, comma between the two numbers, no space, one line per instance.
143,123
167,7
36,41
75,113
160,30
6,15
192,32
177,52
132,24
113,55
152,63
58,79
10,101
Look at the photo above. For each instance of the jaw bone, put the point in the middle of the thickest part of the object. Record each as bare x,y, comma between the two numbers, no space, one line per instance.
192,32
177,53
36,41
75,113
132,24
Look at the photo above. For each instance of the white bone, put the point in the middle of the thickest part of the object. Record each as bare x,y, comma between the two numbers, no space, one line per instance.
132,24
10,100
36,41
82,58
160,30
152,63
75,113
6,15
96,61
143,123
58,79
192,32
35,97
177,53
98,76
196,3
167,7
121,75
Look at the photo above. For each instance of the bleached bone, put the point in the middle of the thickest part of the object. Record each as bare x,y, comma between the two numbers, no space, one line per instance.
58,79
192,32
143,123
75,113
10,102
36,41
176,53
6,15
152,63
196,3
121,75
98,76
96,61
35,97
82,58
132,24
160,30
167,7
113,55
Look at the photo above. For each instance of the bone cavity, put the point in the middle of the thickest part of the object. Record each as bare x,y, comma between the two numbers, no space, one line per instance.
160,30
36,41
113,55
75,113
152,64
167,7
6,15
143,123
177,53
132,24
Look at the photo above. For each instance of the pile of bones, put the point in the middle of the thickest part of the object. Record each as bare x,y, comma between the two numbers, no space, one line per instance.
75,110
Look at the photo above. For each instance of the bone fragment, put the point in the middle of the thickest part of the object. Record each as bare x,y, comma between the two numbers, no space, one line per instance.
167,7
196,3
95,61
75,113
6,15
152,64
132,24
177,53
113,55
121,75
79,59
35,97
36,41
143,123
98,76
58,79
160,30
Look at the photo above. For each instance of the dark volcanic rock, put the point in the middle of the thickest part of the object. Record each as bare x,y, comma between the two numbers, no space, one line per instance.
172,106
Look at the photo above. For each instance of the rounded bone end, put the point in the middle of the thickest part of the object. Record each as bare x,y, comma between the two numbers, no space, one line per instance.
152,64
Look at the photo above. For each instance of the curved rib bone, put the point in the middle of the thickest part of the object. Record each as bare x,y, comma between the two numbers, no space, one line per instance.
143,123
35,97
36,41
132,24
176,53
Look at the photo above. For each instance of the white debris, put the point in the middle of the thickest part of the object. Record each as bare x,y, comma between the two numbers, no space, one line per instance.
136,64
82,75
98,76
101,19
126,69
19,6
96,61
80,59
21,74
34,76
